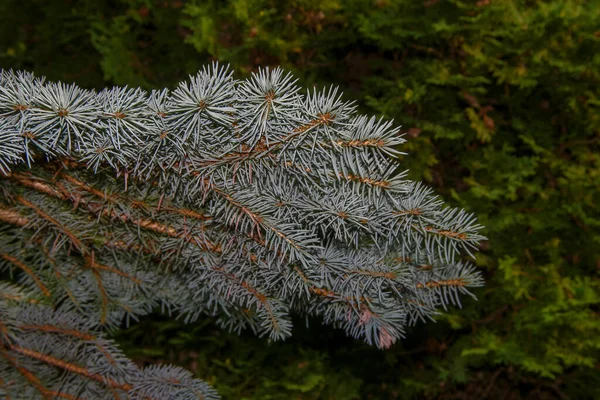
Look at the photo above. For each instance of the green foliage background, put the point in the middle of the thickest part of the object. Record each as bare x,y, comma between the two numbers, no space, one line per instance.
501,102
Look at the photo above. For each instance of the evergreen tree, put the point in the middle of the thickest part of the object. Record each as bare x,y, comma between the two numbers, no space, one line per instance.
245,200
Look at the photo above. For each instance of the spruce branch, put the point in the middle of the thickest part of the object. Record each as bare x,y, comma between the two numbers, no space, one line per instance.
245,200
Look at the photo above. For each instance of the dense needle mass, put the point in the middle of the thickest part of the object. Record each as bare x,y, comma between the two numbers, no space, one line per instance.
247,200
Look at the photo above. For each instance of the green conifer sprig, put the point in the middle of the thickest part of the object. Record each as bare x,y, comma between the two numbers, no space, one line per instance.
246,200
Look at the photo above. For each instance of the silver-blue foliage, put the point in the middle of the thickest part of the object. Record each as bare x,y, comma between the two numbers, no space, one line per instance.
246,200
